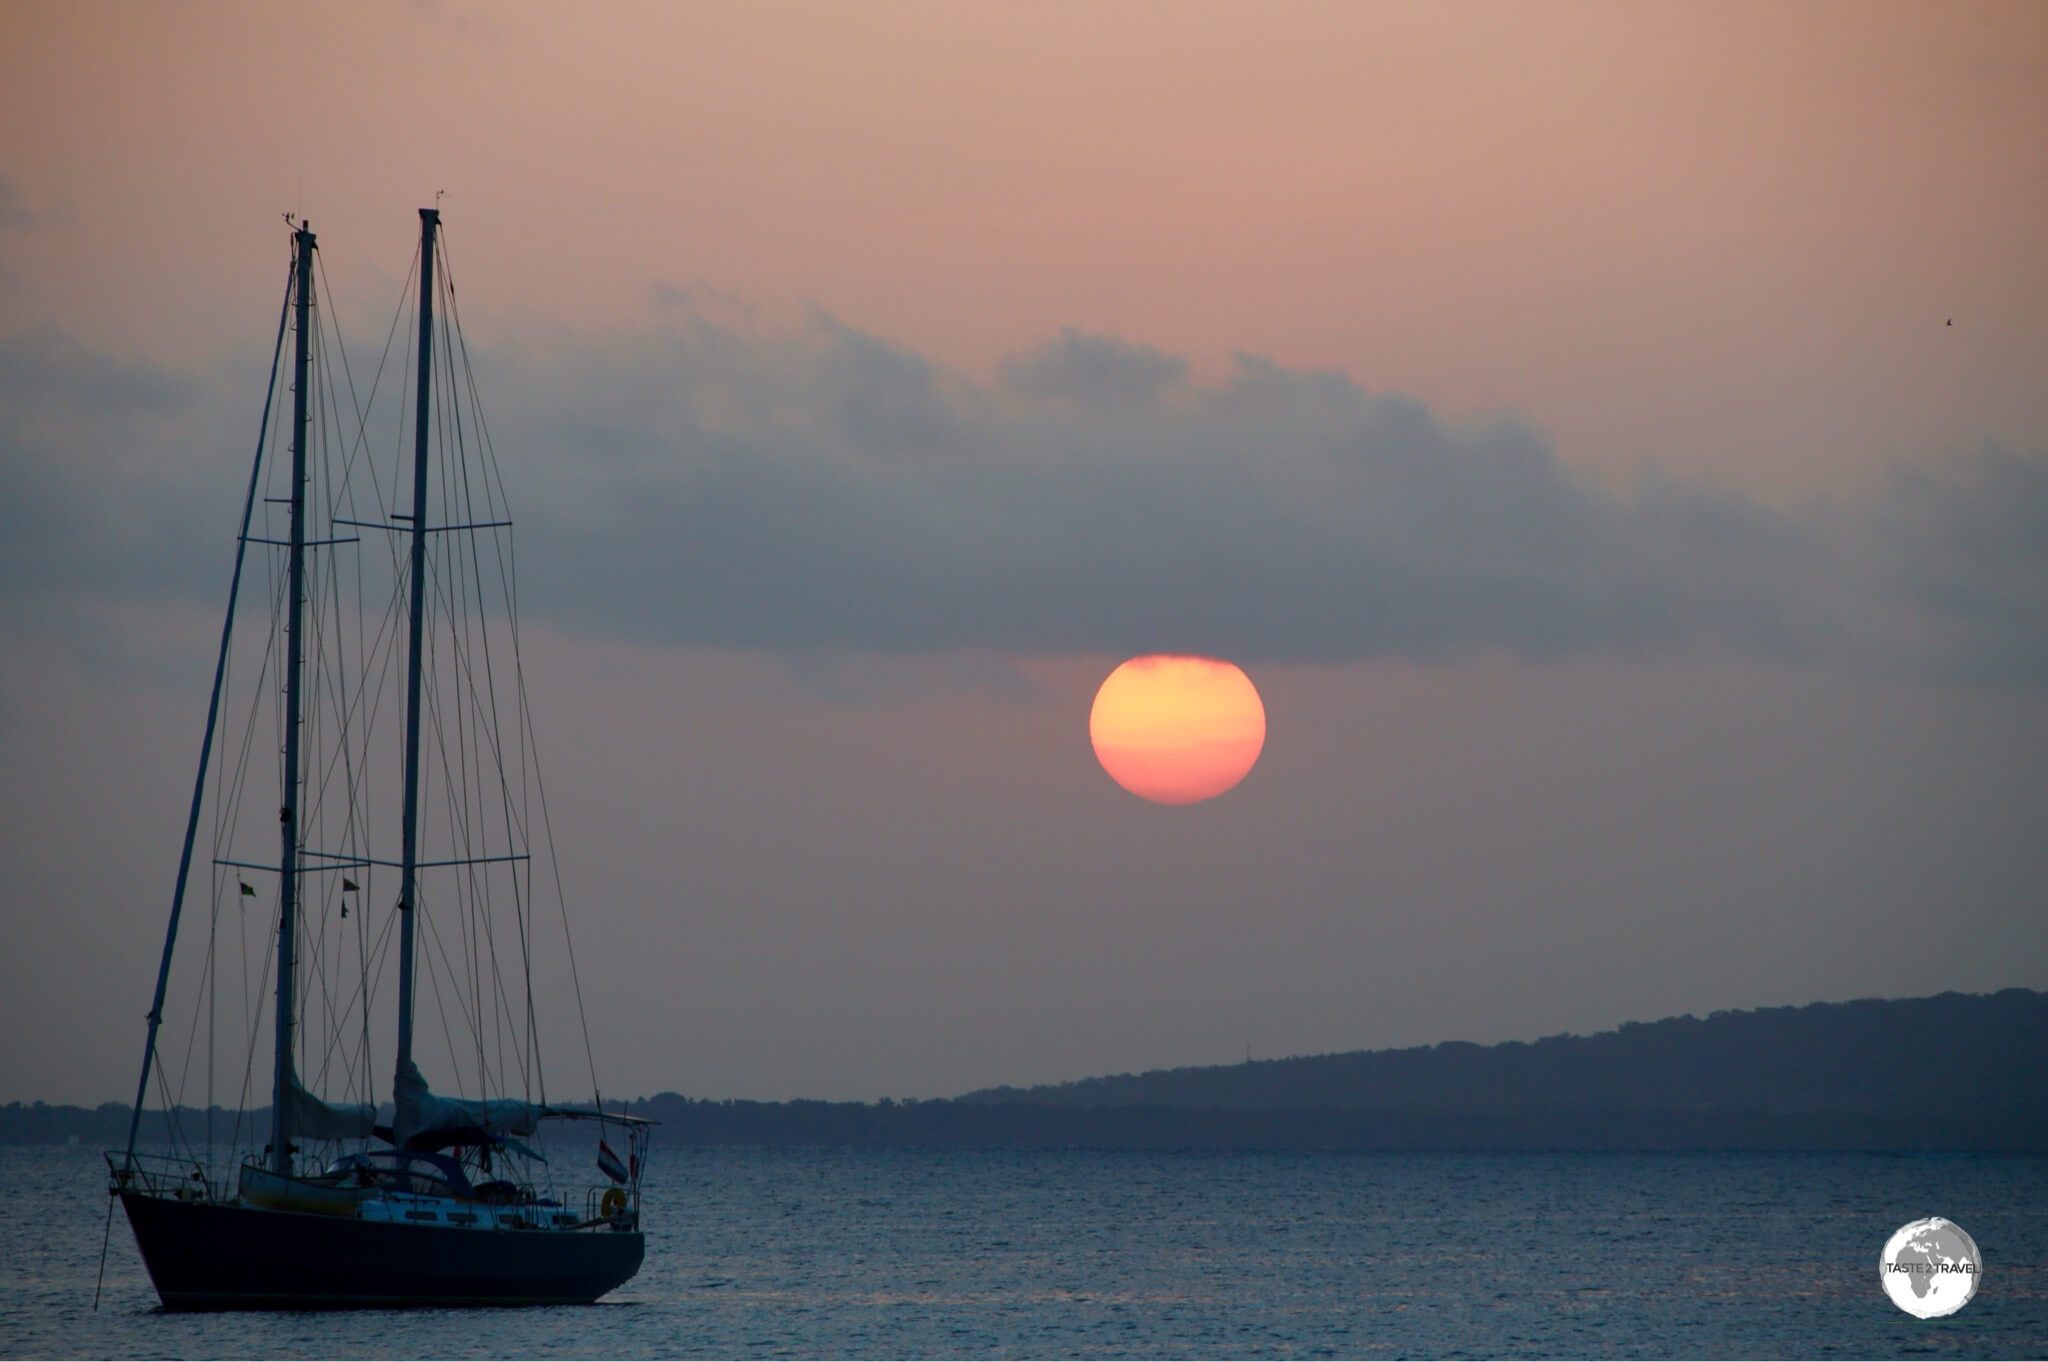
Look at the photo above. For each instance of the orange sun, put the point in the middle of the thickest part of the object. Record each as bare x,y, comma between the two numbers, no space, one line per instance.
1177,730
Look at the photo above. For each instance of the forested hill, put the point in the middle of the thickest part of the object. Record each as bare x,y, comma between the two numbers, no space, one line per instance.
1954,1052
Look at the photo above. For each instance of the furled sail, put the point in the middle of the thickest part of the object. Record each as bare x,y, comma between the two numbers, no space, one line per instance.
317,1119
424,1120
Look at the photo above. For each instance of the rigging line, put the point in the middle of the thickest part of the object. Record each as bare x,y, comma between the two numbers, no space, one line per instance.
360,410
205,747
497,507
358,840
352,815
452,583
357,1078
207,984
266,694
381,646
260,1002
463,834
494,473
336,697
401,559
503,550
241,1012
338,1006
447,718
319,952
308,960
210,984
348,698
530,748
315,968
354,838
490,741
433,714
273,594
453,472
404,312
472,829
106,1233
185,1068
459,834
174,1126
372,955
238,769
242,1005
332,701
333,693
554,865
192,1033
315,779
526,906
465,671
362,424
351,721
440,994
229,794
375,958
489,700
467,581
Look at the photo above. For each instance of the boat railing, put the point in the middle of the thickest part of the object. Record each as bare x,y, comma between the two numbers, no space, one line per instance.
607,1204
159,1175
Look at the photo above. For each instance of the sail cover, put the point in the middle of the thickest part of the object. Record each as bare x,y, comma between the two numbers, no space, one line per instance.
317,1119
423,1120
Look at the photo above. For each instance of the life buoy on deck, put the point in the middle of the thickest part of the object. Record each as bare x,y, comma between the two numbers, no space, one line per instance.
613,1204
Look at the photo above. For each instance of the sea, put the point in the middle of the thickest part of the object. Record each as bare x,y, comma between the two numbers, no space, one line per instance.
1076,1253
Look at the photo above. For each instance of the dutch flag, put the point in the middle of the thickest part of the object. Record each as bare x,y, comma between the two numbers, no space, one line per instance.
608,1162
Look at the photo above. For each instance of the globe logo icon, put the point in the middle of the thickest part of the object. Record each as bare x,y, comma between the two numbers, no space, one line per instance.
1930,1268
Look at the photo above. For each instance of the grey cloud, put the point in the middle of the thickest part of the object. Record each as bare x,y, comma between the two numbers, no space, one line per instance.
1260,385
45,370
1093,371
104,469
884,399
1281,514
13,209
819,488
1966,545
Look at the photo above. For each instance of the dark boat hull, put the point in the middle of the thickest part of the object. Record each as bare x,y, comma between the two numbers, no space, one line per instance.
219,1256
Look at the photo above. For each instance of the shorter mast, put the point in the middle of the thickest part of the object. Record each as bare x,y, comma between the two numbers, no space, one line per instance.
284,1081
408,887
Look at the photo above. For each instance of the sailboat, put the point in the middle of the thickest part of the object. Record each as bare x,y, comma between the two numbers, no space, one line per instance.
454,1198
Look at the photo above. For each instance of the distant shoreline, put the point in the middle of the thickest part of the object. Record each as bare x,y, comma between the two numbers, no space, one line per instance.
1955,1073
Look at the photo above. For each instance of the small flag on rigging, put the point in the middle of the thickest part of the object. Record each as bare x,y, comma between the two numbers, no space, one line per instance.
247,892
608,1162
348,885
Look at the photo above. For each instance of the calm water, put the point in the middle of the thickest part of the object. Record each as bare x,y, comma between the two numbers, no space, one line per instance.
827,1253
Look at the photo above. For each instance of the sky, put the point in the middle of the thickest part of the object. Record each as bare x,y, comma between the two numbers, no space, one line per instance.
1611,437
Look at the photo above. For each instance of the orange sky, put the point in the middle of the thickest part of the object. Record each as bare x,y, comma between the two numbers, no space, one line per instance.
1718,237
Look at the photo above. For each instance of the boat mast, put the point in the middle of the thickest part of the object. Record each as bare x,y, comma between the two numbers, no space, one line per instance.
283,1080
408,887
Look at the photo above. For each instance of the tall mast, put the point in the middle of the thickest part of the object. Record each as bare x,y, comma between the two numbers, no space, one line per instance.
408,885
283,1080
